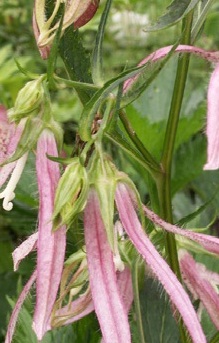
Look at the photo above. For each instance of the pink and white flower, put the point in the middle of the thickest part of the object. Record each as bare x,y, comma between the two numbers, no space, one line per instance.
9,138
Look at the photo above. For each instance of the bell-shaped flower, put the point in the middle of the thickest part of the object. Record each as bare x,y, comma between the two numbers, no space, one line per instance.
108,302
202,284
9,137
77,13
212,130
126,207
50,245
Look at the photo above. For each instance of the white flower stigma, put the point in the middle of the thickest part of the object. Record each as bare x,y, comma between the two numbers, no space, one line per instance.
8,194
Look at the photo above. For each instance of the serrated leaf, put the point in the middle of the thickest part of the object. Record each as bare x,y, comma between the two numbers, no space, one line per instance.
176,11
76,61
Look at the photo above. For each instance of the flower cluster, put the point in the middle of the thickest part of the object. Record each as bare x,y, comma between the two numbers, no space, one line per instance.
97,277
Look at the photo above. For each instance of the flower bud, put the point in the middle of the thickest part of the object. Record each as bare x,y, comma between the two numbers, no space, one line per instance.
77,13
28,100
71,193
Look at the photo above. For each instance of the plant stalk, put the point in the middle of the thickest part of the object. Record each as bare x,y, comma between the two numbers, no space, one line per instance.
164,182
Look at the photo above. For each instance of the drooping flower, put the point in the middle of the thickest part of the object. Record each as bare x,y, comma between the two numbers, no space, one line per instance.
201,283
159,267
212,130
9,137
108,302
50,245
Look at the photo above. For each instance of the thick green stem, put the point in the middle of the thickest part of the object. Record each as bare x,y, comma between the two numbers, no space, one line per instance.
164,182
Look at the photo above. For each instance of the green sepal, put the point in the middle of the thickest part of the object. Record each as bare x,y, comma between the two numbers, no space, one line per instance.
27,73
71,194
61,160
76,257
56,129
28,140
28,101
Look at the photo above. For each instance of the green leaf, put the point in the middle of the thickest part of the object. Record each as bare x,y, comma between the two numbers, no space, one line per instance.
145,78
176,11
97,52
158,322
76,61
205,185
188,160
91,108
201,19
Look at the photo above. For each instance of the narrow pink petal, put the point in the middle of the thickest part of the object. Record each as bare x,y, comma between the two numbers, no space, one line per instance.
201,286
124,279
107,300
157,264
9,138
161,53
50,245
212,130
4,132
83,306
17,308
208,242
5,171
78,309
44,51
24,249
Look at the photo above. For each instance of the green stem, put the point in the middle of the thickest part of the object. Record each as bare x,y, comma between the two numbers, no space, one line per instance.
164,182
152,163
135,284
215,339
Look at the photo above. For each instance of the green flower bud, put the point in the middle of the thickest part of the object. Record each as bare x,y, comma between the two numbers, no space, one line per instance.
28,101
71,194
